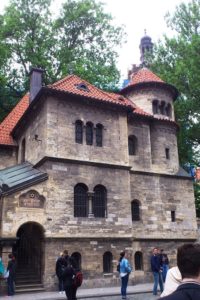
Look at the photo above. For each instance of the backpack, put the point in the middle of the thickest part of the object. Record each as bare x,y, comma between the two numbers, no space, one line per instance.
78,279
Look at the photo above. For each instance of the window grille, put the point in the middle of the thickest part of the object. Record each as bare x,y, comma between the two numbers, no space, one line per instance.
107,262
99,202
89,133
132,145
80,201
99,135
79,132
138,260
135,210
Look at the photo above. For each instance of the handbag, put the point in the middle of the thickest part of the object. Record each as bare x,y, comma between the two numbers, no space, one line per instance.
6,274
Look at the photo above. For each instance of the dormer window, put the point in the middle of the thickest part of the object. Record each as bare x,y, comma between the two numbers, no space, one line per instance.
82,86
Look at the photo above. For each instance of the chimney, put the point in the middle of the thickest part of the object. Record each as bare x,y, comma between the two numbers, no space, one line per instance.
35,82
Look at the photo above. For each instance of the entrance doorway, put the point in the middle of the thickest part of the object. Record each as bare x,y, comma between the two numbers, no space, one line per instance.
29,251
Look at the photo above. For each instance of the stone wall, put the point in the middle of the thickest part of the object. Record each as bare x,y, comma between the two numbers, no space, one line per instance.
61,118
158,197
8,156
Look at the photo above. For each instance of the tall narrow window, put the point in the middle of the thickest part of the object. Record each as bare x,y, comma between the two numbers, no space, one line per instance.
135,210
173,216
162,108
138,260
99,135
23,151
107,262
155,107
76,260
168,110
167,153
80,200
79,132
89,133
132,145
99,201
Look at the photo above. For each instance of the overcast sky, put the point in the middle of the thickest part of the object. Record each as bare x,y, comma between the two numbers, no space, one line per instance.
136,15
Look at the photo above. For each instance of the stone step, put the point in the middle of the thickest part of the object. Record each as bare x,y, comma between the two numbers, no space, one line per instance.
29,290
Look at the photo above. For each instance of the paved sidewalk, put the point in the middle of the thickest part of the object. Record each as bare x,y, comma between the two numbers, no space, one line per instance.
86,293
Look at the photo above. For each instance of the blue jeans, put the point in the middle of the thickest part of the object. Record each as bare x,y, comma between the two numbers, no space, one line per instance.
164,273
60,284
157,279
10,283
124,283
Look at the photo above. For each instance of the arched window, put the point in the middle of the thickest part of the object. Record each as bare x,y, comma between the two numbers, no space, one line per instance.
99,201
80,200
155,107
135,210
132,145
107,262
89,133
76,260
23,151
169,110
99,135
138,260
79,132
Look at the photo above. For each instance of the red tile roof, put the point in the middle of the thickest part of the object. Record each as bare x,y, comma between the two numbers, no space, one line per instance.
72,84
144,75
11,120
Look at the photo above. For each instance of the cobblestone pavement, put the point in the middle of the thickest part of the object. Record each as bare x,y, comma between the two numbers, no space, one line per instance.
145,296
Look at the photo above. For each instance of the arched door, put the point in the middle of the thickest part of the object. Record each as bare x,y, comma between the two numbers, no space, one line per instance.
29,251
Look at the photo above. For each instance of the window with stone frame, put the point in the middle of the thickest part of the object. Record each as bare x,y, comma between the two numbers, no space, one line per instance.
108,262
99,135
138,258
89,133
80,200
99,202
79,132
155,107
132,145
76,260
23,150
135,210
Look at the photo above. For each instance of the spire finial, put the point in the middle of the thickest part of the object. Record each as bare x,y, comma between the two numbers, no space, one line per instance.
145,32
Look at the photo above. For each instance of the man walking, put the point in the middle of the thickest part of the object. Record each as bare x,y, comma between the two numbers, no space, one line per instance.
156,268
188,261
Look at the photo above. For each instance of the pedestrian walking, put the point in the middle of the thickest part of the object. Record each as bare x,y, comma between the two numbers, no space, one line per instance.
156,267
11,268
125,269
68,278
165,264
188,262
59,268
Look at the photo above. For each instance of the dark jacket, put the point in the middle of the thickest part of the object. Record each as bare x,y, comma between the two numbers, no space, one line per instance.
12,268
155,263
61,261
185,291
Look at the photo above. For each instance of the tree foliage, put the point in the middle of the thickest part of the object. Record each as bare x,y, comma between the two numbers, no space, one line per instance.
177,60
81,40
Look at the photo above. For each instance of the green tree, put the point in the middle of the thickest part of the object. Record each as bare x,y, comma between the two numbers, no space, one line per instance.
82,40
177,60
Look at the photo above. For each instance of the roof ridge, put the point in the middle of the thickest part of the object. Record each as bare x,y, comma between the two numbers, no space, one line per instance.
62,80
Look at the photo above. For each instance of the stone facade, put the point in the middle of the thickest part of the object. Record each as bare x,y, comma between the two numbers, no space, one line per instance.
149,177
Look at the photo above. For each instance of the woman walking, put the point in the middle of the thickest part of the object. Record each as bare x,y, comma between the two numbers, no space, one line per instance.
125,270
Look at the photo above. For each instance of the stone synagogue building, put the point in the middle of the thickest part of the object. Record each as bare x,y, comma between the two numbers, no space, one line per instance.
95,173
